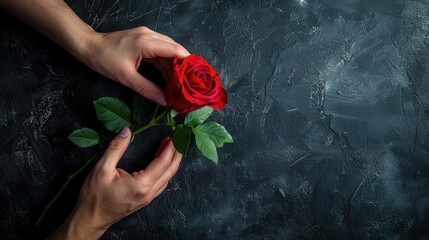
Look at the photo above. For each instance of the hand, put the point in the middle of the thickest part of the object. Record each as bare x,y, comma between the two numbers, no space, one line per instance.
117,55
110,193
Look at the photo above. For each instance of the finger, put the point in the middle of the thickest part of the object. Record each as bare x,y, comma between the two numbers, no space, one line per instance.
147,88
171,41
115,150
158,166
167,49
162,146
147,31
169,173
160,191
163,37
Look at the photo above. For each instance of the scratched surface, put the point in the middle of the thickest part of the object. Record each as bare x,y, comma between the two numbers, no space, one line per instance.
328,106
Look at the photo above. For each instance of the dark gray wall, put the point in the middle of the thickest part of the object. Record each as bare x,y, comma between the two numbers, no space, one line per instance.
328,106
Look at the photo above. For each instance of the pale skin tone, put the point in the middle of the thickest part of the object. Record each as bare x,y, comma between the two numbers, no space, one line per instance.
109,193
116,55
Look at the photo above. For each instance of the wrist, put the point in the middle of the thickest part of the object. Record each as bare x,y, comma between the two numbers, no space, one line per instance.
79,226
83,45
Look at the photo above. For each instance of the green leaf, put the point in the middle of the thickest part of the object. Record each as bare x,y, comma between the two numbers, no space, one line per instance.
141,106
205,145
181,138
173,113
113,112
209,136
84,137
197,117
216,132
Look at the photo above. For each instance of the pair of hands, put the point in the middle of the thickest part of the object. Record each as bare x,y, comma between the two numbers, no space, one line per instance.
110,193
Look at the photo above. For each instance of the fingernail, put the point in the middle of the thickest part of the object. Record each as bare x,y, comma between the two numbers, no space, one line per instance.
125,132
160,100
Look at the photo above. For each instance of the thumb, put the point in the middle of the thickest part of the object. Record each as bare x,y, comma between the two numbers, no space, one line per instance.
147,89
116,149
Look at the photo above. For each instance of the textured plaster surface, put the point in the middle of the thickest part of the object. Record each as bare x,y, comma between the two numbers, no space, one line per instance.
328,106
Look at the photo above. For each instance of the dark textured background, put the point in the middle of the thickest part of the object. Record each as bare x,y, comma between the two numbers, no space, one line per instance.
328,106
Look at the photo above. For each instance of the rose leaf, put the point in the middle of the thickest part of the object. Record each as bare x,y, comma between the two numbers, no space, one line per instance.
216,132
197,117
84,137
181,138
205,145
113,112
141,107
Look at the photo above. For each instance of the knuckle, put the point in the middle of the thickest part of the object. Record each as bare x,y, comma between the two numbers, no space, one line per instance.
177,48
124,75
142,192
115,145
143,29
165,163
165,166
144,90
143,38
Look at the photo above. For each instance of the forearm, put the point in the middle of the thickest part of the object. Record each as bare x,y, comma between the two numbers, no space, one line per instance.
78,226
56,20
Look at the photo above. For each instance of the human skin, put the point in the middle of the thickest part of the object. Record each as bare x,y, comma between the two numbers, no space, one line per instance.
109,193
116,55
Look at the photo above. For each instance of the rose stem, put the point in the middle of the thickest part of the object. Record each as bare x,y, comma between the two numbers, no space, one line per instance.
69,178
152,123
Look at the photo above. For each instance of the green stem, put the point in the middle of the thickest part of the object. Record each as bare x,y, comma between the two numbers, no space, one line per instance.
152,123
69,178
149,125
161,115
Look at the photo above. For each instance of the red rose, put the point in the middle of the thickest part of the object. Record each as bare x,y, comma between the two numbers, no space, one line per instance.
194,84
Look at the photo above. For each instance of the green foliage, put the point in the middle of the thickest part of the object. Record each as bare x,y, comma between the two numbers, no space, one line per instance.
209,136
113,113
116,115
181,138
84,137
205,145
197,117
141,106
215,132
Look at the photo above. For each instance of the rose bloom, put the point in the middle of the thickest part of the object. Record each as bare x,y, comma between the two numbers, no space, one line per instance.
194,84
